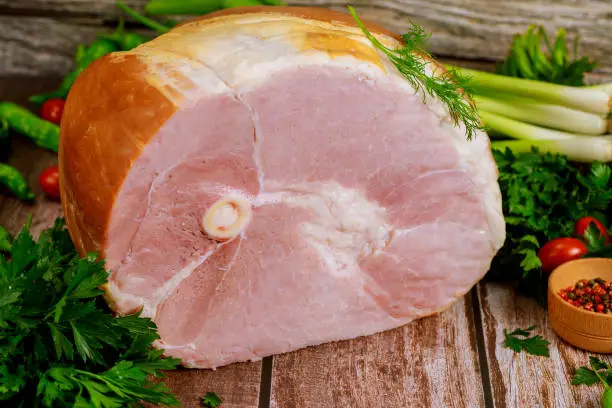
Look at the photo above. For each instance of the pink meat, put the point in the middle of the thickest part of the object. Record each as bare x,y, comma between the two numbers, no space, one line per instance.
365,217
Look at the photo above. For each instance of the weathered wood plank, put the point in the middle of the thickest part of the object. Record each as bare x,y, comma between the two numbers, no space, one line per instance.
237,384
522,380
475,29
429,363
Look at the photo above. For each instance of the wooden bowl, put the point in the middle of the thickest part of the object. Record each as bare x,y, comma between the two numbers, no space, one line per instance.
586,330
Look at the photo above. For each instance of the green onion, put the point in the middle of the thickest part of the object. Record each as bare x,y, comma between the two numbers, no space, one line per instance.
583,149
582,98
521,130
543,114
607,88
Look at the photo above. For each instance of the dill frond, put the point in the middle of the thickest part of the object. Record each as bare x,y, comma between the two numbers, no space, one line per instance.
411,60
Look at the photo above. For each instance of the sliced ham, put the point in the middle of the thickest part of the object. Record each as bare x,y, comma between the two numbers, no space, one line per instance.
262,180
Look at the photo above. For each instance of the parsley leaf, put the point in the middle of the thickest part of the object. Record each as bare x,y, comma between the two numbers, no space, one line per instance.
536,345
543,195
211,400
584,375
60,345
599,371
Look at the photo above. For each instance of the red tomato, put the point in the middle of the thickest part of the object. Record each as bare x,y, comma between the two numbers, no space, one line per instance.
583,224
49,181
52,110
559,251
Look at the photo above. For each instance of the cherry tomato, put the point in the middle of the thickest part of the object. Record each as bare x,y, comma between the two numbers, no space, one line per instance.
52,110
583,224
49,181
559,251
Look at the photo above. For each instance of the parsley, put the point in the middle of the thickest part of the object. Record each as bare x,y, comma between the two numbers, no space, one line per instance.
211,400
598,372
412,61
543,195
519,340
60,346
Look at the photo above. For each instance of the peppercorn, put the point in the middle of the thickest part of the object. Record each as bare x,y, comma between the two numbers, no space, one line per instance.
594,295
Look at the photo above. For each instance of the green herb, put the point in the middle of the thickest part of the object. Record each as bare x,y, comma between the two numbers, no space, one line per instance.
598,371
147,22
412,61
211,400
526,59
6,241
595,240
126,41
519,340
543,195
60,346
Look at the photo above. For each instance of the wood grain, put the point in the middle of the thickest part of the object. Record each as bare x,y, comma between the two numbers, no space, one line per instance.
429,363
237,384
523,380
474,29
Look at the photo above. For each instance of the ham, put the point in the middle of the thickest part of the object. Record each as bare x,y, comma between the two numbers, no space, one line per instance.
262,180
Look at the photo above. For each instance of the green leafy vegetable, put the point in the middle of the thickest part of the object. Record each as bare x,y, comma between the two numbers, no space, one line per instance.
526,59
413,62
519,340
211,400
543,195
58,339
598,371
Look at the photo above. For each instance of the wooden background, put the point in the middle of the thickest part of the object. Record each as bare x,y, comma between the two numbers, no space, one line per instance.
454,359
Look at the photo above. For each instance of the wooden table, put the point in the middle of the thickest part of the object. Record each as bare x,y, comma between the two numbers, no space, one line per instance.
454,359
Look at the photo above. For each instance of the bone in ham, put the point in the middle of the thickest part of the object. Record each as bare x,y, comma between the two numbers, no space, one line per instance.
262,180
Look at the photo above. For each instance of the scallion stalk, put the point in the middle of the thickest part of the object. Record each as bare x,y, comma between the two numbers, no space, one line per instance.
583,149
607,88
543,114
521,130
582,98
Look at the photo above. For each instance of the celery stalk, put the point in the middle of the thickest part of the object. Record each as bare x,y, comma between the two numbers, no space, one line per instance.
543,114
521,130
582,98
583,149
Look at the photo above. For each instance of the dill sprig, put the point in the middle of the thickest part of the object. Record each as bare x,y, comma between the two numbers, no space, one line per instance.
450,86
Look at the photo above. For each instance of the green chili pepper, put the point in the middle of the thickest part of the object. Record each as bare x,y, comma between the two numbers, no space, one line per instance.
6,241
240,3
44,134
125,41
14,180
83,58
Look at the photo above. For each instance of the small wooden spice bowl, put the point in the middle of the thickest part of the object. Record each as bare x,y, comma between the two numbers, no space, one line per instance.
583,329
